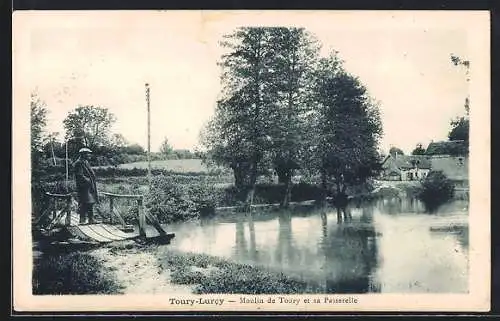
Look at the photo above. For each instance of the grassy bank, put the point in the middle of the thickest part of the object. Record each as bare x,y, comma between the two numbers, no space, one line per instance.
92,273
216,275
73,273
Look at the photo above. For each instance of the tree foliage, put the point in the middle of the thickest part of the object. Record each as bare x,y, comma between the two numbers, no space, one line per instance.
238,135
460,126
459,129
38,114
296,54
89,126
165,148
419,150
349,128
133,149
436,190
283,107
396,150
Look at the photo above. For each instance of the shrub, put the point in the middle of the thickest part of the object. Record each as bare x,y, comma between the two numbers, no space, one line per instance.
436,190
170,201
75,273
206,197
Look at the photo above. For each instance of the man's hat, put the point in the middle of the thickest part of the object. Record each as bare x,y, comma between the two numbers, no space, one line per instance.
84,150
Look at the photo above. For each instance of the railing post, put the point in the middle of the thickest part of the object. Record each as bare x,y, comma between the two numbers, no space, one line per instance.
142,218
68,210
111,210
53,206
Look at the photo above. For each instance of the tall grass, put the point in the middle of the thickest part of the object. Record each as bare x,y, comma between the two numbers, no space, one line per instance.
74,273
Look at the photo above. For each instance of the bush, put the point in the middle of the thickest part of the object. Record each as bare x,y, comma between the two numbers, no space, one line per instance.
205,197
436,190
74,273
171,201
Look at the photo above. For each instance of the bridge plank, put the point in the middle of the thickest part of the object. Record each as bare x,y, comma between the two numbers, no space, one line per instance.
85,229
98,229
74,230
116,231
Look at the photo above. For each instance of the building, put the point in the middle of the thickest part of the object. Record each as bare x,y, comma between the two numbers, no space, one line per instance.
405,168
455,168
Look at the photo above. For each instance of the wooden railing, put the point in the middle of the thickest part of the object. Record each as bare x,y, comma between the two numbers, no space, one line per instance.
143,213
54,200
52,211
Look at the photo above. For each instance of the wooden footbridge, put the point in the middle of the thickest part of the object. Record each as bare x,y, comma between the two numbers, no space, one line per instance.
60,220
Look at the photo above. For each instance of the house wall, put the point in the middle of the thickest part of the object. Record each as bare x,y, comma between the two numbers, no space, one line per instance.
414,174
390,175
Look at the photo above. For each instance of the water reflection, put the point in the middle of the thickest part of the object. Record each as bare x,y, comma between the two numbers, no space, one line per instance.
351,254
284,247
387,245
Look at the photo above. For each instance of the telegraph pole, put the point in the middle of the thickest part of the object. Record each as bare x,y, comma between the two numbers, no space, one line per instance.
67,167
149,135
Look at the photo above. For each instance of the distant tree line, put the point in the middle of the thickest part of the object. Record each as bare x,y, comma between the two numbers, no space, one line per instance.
88,126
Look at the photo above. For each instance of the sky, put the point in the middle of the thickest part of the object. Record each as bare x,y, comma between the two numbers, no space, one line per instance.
105,58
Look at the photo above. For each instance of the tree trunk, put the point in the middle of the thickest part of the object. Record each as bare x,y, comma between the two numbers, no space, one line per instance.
250,190
340,199
285,203
339,215
324,189
238,177
282,176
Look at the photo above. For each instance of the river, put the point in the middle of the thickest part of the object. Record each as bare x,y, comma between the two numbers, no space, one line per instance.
388,246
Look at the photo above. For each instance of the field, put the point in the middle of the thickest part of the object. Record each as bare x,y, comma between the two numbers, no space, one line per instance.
177,165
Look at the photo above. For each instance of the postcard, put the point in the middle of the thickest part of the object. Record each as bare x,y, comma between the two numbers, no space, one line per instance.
290,161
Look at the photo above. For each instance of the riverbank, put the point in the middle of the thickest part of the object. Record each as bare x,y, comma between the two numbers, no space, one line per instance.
346,256
130,268
138,270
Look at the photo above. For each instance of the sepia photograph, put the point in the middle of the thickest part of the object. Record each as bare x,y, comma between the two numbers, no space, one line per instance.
251,160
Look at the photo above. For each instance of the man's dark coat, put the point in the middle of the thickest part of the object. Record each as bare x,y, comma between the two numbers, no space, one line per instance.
85,182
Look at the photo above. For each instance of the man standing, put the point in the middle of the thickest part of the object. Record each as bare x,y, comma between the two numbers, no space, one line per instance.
86,186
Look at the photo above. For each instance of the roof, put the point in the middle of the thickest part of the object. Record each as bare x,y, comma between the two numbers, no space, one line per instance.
400,162
456,168
452,147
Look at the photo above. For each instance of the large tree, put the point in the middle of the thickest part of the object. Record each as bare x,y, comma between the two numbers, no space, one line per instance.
238,135
296,53
349,129
38,123
460,126
89,126
38,138
459,129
